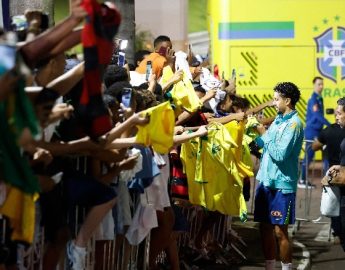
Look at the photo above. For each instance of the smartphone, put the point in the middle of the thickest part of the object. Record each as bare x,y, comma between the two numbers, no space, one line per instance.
148,70
7,57
123,44
19,23
126,97
233,76
163,51
223,75
121,59
44,21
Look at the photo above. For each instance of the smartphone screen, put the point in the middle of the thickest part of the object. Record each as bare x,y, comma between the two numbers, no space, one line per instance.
7,57
121,59
19,23
126,97
148,70
163,51
44,21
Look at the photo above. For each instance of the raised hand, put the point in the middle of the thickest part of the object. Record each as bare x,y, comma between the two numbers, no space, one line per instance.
261,129
210,94
239,116
170,55
202,131
128,163
178,76
139,119
77,11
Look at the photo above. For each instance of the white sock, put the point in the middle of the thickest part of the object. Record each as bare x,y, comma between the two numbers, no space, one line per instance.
80,250
286,266
270,264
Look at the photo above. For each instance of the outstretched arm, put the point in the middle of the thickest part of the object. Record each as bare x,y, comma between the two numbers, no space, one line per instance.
68,80
55,40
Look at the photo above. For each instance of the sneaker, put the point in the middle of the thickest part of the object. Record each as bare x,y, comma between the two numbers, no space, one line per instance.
76,256
304,185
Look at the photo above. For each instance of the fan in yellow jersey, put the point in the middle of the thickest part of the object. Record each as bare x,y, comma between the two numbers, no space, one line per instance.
212,175
182,93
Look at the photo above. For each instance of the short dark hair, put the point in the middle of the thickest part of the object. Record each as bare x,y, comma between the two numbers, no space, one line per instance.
113,74
109,100
240,102
115,90
288,90
139,56
341,102
317,78
160,39
200,89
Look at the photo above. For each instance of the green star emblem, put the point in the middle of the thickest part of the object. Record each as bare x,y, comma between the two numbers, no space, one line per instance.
325,21
337,18
315,28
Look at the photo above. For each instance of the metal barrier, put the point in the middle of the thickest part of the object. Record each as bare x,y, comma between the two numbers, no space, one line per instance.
307,194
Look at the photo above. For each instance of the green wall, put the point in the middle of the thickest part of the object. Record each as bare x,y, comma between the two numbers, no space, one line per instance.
197,16
61,10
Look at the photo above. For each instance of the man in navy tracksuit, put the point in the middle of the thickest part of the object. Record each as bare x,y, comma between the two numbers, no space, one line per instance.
315,121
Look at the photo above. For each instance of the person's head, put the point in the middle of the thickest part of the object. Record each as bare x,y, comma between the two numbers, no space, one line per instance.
115,91
162,41
146,99
318,85
44,102
226,104
240,104
340,112
140,56
200,91
113,74
113,107
286,95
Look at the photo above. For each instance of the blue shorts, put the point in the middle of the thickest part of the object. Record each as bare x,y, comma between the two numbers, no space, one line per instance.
86,191
274,207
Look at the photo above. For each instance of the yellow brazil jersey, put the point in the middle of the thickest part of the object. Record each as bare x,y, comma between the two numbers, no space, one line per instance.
213,180
159,132
237,132
182,93
19,207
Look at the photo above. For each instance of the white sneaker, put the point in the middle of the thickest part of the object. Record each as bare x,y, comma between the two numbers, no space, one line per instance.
304,185
76,256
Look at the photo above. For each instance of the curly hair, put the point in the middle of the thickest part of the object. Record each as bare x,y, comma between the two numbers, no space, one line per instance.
288,90
341,102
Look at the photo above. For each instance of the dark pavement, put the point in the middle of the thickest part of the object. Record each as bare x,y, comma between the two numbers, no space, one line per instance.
312,247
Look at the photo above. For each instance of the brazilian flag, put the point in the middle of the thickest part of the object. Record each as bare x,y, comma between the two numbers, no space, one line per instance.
22,187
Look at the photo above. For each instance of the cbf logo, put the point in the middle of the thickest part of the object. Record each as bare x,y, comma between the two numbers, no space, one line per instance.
331,52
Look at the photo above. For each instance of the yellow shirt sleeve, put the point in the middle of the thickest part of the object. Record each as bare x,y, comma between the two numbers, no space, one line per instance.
159,132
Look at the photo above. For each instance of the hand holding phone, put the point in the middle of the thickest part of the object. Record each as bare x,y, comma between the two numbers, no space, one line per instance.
7,57
126,97
163,51
121,59
148,70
